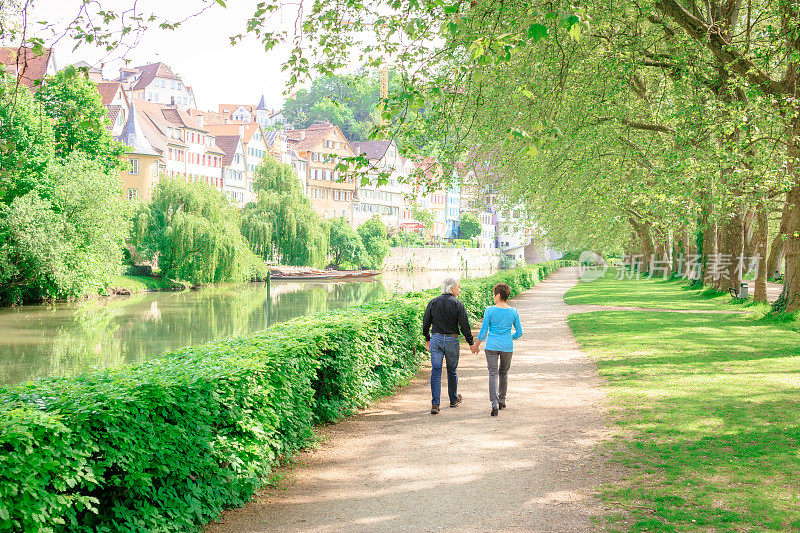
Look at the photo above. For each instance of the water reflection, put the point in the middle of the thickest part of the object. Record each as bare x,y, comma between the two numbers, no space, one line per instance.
63,339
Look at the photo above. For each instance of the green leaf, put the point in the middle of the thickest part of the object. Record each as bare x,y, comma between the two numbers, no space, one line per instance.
537,32
575,32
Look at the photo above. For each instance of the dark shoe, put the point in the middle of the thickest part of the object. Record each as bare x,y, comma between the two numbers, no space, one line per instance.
455,403
434,408
495,410
502,405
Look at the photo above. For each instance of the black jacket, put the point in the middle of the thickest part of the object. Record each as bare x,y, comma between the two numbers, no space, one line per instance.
445,314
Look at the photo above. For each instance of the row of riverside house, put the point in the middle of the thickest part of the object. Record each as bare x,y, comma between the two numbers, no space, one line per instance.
153,111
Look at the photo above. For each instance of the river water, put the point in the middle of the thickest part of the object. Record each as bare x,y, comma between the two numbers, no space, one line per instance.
67,338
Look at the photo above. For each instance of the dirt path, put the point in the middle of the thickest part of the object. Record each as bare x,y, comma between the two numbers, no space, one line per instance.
773,290
396,467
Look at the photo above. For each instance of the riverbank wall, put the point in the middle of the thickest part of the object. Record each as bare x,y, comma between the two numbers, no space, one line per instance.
441,259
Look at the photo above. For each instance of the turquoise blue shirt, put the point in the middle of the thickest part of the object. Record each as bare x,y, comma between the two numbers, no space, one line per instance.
497,322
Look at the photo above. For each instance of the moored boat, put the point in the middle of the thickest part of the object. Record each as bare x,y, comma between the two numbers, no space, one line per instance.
312,274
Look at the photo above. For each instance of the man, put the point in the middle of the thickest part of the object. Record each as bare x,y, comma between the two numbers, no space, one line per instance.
443,318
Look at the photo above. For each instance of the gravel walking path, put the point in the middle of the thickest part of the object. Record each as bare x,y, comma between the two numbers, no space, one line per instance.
396,467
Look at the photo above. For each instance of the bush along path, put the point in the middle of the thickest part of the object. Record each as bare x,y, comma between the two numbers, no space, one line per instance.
396,467
167,445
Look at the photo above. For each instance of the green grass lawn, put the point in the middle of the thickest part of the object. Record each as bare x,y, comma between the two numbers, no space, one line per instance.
709,412
654,293
140,283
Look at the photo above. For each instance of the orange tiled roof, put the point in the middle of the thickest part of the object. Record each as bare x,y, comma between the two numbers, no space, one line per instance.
157,119
228,144
210,118
27,66
233,129
309,138
228,109
374,150
151,72
108,90
113,113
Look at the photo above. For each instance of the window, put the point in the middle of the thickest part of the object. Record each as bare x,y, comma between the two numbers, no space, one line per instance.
172,84
180,87
134,171
133,194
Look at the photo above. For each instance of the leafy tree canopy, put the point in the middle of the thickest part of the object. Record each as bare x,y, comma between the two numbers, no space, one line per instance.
195,233
281,225
347,101
79,117
64,237
346,248
27,143
469,226
374,237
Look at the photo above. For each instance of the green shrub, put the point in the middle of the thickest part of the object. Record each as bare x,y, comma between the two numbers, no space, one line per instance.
167,444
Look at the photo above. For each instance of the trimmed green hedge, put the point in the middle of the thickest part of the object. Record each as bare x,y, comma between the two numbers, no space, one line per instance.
167,444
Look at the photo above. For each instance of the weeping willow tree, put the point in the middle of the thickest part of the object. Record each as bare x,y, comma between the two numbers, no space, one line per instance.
194,231
281,226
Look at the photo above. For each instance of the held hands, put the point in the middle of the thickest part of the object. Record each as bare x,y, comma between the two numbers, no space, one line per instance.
428,345
475,348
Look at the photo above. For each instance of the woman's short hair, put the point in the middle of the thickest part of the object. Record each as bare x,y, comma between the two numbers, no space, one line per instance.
448,284
503,290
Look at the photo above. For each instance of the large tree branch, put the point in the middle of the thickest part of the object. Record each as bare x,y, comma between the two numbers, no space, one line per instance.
711,36
659,128
638,151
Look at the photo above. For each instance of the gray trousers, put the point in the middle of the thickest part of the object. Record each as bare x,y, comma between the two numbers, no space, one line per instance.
492,359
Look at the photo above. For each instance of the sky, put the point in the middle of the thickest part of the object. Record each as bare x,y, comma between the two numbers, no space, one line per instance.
199,51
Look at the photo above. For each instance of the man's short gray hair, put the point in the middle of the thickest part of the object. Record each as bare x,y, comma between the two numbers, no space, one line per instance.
449,283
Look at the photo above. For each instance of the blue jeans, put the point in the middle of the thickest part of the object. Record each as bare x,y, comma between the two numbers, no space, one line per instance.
447,349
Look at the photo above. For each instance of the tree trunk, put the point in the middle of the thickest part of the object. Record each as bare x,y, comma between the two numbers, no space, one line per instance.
776,251
790,226
748,232
678,252
643,232
730,250
709,251
777,248
658,269
760,237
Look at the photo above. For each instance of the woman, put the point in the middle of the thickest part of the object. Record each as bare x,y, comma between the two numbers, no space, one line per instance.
496,330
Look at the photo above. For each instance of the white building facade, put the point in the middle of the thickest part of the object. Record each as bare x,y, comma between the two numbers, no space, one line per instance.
387,200
157,83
